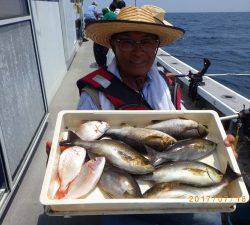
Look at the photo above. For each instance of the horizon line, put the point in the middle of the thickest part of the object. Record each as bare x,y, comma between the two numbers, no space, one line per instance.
209,12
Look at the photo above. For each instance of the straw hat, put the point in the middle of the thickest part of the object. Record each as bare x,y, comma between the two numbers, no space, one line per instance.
158,13
131,18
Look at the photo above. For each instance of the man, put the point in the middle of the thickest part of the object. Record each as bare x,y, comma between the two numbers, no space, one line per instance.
120,5
108,14
135,45
100,52
91,14
132,81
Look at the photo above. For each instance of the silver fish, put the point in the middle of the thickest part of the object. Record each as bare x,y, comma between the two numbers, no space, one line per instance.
139,137
188,172
116,152
179,190
92,130
185,150
87,179
180,128
118,184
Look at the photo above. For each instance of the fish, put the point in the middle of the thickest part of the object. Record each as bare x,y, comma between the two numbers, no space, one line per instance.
54,187
69,166
181,190
188,172
92,130
180,128
139,137
116,152
184,150
87,179
116,183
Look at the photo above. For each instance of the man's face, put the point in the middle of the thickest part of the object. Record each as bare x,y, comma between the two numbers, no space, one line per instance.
135,52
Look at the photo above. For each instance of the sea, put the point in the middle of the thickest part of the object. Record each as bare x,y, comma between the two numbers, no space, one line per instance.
223,38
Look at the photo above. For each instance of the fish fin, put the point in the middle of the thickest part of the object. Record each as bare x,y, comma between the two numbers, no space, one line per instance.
152,137
156,121
182,118
145,177
102,136
151,153
164,142
126,194
91,155
202,130
60,194
153,156
125,124
72,138
230,174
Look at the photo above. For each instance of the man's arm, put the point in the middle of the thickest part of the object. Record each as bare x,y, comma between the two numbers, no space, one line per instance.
97,12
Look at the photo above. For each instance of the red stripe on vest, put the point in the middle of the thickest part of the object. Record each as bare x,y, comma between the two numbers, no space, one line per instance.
118,93
135,108
89,77
115,101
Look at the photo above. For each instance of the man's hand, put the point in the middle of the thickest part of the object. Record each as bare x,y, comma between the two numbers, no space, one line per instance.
229,142
170,75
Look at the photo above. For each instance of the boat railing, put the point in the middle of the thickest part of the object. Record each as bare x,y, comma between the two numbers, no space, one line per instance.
224,99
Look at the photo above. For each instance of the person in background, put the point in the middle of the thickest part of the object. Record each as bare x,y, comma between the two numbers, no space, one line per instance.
109,15
91,14
115,2
112,6
100,52
121,4
104,11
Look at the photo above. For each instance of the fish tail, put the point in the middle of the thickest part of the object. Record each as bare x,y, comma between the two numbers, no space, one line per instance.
124,124
72,138
153,156
145,177
60,194
156,121
230,175
108,132
202,130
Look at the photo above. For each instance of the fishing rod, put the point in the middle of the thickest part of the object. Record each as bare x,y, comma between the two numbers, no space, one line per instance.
243,114
206,65
227,74
210,74
197,57
196,79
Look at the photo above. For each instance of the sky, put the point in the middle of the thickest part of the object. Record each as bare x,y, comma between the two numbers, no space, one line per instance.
187,5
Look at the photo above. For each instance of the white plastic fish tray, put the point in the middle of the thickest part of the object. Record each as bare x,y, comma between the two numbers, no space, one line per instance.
96,204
